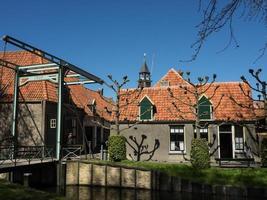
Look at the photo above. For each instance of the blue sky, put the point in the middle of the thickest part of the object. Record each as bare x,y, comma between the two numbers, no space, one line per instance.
110,37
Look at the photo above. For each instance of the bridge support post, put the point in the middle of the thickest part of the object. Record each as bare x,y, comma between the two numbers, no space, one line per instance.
59,111
15,111
61,173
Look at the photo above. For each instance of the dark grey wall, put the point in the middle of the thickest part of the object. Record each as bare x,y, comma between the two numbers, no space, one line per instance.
161,132
29,123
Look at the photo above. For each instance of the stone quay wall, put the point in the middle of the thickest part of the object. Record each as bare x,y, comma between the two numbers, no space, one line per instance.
86,173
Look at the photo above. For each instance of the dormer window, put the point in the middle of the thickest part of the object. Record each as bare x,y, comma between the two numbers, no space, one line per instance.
92,106
205,108
146,109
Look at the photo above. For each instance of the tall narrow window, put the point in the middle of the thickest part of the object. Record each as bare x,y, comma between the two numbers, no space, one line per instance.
205,108
177,139
239,139
146,109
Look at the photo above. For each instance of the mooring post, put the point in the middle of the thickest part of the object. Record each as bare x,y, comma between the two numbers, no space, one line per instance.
26,179
101,153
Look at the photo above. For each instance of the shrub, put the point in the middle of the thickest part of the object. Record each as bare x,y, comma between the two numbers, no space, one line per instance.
200,158
117,148
264,152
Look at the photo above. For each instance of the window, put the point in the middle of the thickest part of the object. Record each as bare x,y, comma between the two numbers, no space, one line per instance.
92,106
203,133
53,123
164,83
205,108
146,109
239,140
177,138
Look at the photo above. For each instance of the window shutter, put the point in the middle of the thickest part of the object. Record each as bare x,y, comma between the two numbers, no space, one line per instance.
204,108
146,109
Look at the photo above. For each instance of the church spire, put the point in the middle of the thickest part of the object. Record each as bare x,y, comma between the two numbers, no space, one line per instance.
144,75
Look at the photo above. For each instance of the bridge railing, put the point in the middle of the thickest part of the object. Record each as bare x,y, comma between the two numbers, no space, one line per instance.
13,155
71,152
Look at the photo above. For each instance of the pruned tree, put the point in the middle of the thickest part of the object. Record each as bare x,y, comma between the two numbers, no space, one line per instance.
192,100
216,15
123,99
118,104
258,103
195,100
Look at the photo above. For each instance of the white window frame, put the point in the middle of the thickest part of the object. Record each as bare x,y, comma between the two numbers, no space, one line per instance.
53,123
184,142
239,150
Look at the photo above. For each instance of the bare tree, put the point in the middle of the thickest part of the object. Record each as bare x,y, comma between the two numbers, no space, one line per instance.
220,14
192,96
259,104
118,105
123,99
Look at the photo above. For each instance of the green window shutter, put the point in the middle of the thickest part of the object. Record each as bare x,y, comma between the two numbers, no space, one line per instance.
204,108
146,109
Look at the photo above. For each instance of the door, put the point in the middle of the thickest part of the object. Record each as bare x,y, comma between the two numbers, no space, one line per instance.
50,133
89,138
226,149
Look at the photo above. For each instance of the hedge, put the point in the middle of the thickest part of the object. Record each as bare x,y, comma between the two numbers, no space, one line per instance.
117,148
200,158
264,152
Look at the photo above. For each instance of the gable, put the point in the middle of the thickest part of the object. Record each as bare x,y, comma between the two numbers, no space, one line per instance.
172,78
204,101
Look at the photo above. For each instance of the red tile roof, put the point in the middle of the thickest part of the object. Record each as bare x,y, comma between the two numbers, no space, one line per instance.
33,91
46,90
165,104
84,97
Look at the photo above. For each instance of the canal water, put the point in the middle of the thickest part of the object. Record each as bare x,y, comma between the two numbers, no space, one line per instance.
102,193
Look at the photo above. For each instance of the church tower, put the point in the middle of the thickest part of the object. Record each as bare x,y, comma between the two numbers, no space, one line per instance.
144,75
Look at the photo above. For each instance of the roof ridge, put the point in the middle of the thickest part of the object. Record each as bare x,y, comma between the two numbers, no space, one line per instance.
13,51
227,82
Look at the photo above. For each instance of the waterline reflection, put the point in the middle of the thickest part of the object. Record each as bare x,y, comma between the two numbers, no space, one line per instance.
102,193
